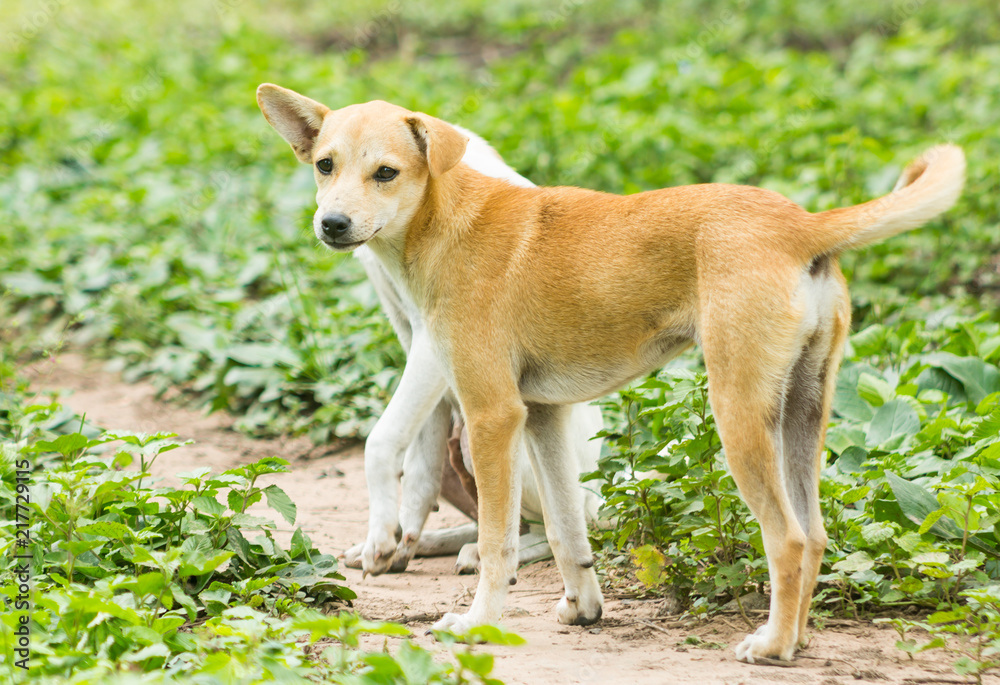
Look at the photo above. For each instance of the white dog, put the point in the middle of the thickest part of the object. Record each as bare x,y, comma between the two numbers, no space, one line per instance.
426,454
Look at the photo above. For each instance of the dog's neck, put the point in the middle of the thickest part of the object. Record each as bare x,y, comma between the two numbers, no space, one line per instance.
451,204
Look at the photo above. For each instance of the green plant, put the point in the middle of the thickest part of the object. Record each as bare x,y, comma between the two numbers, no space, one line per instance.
664,480
108,574
969,629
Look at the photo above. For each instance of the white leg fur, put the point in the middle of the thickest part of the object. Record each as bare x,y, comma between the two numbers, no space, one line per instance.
533,546
421,482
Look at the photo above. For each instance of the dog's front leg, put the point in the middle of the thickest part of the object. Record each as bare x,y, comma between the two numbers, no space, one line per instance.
495,429
420,389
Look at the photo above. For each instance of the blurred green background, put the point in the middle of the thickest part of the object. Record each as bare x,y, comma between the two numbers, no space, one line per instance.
150,214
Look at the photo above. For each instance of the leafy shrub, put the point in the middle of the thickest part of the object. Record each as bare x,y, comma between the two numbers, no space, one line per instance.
111,575
970,629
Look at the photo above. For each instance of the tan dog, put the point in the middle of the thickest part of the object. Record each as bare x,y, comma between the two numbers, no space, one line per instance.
541,297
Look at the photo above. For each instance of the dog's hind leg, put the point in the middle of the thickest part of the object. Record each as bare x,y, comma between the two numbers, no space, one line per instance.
808,394
531,547
422,468
448,541
557,474
749,348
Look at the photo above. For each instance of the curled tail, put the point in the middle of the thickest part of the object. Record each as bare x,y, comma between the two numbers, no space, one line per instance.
928,187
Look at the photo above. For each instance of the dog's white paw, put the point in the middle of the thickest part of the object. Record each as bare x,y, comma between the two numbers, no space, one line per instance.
764,644
468,559
377,555
579,611
583,603
456,623
352,557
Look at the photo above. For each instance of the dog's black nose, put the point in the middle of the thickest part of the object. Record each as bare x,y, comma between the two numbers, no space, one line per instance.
334,225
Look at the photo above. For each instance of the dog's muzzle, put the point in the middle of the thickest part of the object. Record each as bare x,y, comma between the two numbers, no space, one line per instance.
335,226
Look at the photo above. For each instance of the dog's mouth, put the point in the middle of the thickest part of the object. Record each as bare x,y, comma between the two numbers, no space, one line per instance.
346,247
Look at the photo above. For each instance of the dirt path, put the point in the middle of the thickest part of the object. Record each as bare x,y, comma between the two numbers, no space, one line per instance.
630,646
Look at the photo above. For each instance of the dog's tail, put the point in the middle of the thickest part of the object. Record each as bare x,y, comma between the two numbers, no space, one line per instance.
929,186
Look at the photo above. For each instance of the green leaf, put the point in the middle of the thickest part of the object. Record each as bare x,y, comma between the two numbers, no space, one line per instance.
263,355
199,565
300,545
851,459
78,547
107,529
917,504
874,390
979,378
893,419
481,664
846,401
649,564
416,663
146,583
209,505
238,544
877,532
65,445
989,349
939,558
280,502
858,561
495,635
911,585
855,494
931,519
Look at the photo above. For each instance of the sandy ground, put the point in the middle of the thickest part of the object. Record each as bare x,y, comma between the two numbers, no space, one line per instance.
633,645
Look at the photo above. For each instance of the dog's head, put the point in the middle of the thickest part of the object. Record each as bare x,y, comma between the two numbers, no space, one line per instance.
372,162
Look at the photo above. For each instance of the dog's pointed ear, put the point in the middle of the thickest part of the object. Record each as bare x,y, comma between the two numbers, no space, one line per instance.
297,118
442,144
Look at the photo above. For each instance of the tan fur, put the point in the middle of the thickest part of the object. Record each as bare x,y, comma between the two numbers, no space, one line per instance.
549,296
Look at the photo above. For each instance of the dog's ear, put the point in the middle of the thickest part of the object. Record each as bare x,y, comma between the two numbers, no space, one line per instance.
441,143
297,118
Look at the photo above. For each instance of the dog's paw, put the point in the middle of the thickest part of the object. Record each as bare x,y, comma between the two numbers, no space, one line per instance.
401,559
456,623
575,611
583,603
352,557
764,644
377,556
468,559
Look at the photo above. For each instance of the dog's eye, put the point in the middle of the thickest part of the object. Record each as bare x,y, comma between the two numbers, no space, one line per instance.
325,166
385,173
